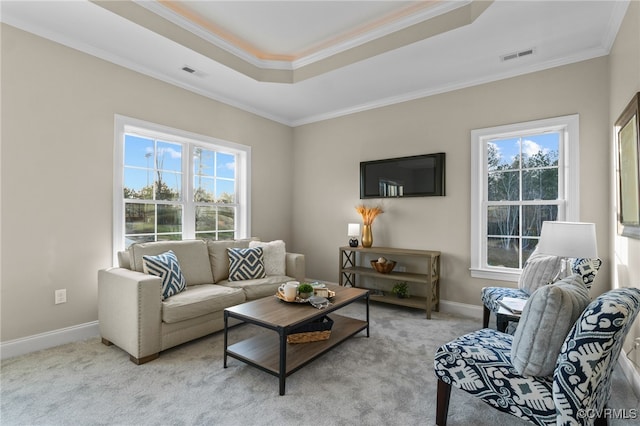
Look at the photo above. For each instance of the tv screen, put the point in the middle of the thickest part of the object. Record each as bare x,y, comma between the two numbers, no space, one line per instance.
415,176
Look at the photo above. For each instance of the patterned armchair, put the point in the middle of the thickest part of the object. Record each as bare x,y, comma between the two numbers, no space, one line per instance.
491,296
480,363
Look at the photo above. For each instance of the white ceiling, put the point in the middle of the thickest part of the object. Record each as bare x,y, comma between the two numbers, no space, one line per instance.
285,37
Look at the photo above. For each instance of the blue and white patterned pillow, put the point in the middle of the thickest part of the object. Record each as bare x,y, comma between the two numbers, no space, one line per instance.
167,267
246,263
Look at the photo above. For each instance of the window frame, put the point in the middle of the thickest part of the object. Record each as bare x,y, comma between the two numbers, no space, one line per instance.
190,141
568,176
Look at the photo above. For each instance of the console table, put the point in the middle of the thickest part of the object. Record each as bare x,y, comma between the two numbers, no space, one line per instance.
350,268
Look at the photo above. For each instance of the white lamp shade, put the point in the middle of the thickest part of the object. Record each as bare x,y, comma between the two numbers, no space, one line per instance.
353,230
568,239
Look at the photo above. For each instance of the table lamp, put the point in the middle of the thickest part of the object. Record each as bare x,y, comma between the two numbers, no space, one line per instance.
353,232
568,240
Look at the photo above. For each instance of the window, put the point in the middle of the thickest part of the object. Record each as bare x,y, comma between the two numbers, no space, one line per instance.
521,175
174,185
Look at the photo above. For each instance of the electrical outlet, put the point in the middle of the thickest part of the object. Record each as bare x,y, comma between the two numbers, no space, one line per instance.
61,296
636,342
400,268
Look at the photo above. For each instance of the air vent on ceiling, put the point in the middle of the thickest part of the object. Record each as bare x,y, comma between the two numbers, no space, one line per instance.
188,69
514,55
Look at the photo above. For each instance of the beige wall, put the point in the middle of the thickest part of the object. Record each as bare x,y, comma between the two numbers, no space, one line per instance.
58,109
57,148
625,82
327,155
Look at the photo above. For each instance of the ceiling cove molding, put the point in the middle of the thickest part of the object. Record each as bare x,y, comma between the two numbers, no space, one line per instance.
197,30
425,13
430,12
445,17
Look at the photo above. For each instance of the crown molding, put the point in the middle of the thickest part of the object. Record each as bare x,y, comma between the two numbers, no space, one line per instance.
383,30
411,96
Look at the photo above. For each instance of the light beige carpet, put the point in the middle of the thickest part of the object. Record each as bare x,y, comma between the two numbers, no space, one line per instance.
386,379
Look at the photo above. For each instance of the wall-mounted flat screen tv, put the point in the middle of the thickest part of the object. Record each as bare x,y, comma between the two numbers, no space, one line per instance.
415,176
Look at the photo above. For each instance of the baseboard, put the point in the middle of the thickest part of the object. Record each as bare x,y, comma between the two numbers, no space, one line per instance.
630,372
49,339
462,309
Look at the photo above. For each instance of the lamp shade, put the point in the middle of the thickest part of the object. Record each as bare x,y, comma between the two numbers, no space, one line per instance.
568,239
353,230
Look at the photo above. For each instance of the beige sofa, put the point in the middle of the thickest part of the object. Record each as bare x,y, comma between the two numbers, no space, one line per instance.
133,316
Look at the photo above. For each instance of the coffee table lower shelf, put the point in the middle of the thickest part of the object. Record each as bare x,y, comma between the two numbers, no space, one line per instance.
263,351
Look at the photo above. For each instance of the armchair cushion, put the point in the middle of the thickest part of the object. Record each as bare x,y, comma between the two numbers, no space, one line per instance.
480,363
167,267
491,296
546,320
246,264
539,270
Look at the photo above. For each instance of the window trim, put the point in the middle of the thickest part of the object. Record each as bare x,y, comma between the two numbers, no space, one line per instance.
124,124
569,165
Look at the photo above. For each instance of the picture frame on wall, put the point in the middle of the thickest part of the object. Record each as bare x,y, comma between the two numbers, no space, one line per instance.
628,169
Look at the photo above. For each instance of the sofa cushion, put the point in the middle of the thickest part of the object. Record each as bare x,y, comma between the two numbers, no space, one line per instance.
200,300
219,258
246,263
539,270
274,256
167,267
192,255
546,320
256,289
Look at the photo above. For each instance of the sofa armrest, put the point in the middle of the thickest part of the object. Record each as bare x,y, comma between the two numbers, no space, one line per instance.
129,310
295,266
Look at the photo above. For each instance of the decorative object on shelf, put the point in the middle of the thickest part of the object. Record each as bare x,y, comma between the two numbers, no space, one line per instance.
368,215
382,265
401,289
568,240
353,232
423,275
314,331
305,291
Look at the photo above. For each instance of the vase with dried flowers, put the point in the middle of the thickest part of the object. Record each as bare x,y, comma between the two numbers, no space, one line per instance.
368,215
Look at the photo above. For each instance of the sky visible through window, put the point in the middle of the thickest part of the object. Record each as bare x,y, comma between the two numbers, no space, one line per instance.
140,163
508,149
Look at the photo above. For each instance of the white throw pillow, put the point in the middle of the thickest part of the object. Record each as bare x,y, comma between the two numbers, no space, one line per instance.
539,270
546,320
274,256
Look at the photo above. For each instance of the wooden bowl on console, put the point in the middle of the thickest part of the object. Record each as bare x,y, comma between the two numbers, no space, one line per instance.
383,268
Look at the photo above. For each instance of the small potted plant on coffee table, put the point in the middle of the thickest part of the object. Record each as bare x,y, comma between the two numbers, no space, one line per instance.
305,290
401,289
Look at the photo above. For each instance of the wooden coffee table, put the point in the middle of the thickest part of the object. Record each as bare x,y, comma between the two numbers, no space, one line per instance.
273,354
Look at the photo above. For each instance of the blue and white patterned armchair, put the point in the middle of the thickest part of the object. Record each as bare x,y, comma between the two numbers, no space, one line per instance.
491,296
480,364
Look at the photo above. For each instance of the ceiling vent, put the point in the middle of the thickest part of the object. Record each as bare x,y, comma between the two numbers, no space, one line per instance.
188,69
515,55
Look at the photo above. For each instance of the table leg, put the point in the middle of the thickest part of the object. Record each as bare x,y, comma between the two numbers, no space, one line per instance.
367,304
283,360
226,330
